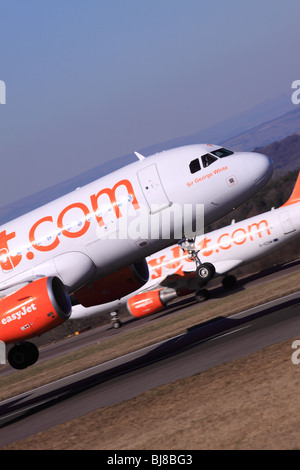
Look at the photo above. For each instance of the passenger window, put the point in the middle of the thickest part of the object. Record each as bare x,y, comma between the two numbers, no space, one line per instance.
195,166
208,160
222,153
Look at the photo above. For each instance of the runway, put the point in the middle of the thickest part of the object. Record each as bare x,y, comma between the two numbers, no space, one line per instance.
104,332
200,348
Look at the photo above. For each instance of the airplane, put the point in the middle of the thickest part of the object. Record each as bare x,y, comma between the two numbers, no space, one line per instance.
86,247
173,271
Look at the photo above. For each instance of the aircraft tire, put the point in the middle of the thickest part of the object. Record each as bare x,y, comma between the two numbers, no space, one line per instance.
116,324
23,355
205,271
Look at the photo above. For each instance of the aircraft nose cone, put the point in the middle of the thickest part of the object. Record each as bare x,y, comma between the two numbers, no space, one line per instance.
259,167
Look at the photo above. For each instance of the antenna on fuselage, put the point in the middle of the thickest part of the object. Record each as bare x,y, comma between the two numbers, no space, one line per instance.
140,157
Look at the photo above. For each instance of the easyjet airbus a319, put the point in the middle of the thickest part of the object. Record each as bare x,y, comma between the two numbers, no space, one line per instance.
77,249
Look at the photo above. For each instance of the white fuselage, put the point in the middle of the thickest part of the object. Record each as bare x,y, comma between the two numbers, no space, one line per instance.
68,237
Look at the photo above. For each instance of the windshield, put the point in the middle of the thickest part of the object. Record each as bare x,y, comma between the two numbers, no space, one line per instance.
222,152
208,159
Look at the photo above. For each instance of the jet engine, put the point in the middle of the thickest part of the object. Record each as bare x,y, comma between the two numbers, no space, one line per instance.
34,309
147,303
114,286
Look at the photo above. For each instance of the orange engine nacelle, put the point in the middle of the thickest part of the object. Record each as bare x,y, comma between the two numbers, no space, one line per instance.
150,302
34,309
114,286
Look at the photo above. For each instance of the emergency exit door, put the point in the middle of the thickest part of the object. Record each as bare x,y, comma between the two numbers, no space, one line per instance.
286,223
153,190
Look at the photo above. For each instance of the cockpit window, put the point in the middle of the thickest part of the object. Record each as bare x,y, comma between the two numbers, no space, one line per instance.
195,165
208,160
222,153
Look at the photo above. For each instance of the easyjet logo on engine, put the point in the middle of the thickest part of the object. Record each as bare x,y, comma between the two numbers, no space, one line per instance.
18,315
143,303
9,259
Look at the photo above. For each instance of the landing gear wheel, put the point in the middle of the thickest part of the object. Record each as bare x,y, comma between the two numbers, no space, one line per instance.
205,271
202,295
116,324
23,355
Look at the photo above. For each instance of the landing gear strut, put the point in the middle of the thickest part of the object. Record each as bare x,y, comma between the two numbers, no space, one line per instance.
204,271
23,355
115,321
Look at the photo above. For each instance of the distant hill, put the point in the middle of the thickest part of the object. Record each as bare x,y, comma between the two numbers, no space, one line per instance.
240,125
266,133
285,153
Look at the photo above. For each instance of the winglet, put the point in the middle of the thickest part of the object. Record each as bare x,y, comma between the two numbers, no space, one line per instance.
140,157
295,196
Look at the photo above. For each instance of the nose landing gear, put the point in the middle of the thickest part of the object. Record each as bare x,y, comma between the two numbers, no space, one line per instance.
204,271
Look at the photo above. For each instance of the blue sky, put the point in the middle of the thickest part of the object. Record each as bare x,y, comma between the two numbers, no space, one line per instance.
91,80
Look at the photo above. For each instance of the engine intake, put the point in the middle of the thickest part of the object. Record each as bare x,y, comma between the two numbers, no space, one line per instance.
34,309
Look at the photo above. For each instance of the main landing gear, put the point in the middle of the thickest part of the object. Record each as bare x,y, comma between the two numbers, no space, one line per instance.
23,355
204,271
115,321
